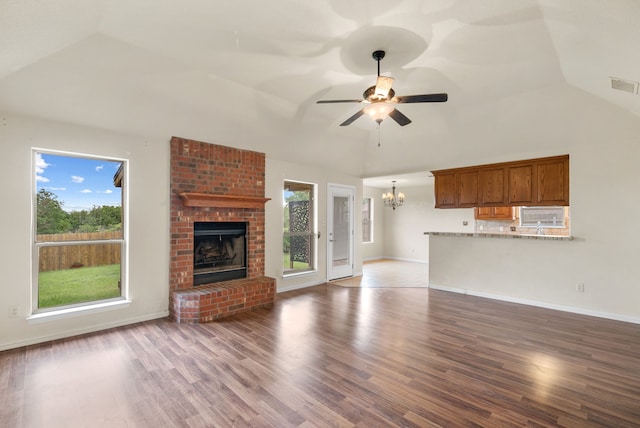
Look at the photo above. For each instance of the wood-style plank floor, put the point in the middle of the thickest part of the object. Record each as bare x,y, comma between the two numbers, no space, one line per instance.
331,356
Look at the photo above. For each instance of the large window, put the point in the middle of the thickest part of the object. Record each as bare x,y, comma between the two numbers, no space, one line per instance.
367,220
79,246
298,243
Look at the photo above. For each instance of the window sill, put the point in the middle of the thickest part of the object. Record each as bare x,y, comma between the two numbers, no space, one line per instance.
295,274
77,311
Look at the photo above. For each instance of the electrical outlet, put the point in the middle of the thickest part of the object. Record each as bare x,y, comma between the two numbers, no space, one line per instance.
580,287
14,311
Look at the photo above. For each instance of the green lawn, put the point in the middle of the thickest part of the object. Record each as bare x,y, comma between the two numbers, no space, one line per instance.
286,263
70,286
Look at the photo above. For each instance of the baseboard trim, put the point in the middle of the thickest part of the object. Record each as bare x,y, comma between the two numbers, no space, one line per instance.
85,330
400,259
546,305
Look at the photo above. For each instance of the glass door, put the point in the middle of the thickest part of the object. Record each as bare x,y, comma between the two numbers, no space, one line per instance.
340,231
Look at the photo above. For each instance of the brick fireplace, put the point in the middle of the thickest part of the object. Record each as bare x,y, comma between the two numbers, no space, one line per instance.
223,185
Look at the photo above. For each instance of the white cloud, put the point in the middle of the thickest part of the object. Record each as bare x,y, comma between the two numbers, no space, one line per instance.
86,191
55,188
108,191
99,168
41,165
77,179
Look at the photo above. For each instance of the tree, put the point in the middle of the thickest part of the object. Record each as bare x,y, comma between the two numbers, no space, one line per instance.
51,218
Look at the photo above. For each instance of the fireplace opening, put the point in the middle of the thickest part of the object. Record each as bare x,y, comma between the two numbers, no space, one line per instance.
219,251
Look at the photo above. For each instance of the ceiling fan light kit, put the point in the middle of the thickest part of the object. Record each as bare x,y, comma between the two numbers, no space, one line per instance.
378,111
382,99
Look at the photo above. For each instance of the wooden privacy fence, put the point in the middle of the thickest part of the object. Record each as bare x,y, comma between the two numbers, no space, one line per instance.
59,257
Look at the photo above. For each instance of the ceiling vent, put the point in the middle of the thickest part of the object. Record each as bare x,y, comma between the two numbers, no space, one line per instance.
624,85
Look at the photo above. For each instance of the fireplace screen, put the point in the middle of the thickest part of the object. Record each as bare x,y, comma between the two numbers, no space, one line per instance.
219,251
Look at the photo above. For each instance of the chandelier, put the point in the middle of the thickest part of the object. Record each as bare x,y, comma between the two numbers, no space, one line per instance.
391,200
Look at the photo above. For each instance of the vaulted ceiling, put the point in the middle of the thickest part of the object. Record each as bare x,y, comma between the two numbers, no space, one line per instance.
249,73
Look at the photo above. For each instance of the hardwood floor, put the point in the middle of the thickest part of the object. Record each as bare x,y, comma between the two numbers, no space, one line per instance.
331,356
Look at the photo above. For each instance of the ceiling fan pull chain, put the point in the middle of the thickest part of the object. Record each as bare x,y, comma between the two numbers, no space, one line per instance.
378,134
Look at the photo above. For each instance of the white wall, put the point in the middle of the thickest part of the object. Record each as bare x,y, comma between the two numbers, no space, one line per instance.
404,228
276,173
375,250
148,220
604,146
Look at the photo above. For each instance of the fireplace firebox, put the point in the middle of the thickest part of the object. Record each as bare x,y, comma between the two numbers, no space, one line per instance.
219,251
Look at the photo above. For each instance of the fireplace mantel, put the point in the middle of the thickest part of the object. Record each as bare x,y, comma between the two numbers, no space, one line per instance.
191,199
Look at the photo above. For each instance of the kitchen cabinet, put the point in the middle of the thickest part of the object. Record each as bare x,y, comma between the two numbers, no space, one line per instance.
445,191
467,189
494,213
521,184
552,180
532,182
492,186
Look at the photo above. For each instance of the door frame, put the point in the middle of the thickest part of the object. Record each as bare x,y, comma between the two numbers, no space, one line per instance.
334,189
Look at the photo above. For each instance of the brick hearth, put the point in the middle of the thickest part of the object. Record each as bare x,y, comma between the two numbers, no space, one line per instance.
216,183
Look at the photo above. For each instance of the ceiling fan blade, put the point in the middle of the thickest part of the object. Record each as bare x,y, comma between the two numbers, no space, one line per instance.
425,98
399,117
338,101
352,118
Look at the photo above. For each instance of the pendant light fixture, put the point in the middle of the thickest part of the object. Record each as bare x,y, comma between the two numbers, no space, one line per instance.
391,199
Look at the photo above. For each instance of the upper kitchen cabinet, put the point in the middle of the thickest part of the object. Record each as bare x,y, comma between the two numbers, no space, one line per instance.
467,189
445,191
494,213
533,182
552,182
492,186
521,183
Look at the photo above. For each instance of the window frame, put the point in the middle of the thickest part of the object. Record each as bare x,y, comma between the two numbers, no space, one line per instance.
55,312
313,262
561,224
369,221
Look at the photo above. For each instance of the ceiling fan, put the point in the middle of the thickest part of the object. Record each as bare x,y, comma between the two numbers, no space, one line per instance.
381,99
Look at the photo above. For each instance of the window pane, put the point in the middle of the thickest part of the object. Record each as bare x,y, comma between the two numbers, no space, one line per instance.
367,223
72,274
298,243
79,229
76,194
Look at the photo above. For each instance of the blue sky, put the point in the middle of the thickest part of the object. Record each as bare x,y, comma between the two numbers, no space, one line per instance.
80,183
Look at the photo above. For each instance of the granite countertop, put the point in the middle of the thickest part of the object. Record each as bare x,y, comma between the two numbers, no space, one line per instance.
503,235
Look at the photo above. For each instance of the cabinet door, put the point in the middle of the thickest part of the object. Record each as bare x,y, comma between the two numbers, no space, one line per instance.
467,187
503,213
483,213
492,186
494,213
553,182
445,190
521,184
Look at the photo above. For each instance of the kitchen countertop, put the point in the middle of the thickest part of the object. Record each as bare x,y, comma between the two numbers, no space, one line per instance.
503,235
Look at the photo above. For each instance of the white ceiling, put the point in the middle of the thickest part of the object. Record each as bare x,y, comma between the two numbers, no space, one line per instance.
248,73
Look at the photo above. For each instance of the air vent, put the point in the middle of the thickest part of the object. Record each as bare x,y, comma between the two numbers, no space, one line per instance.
624,85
